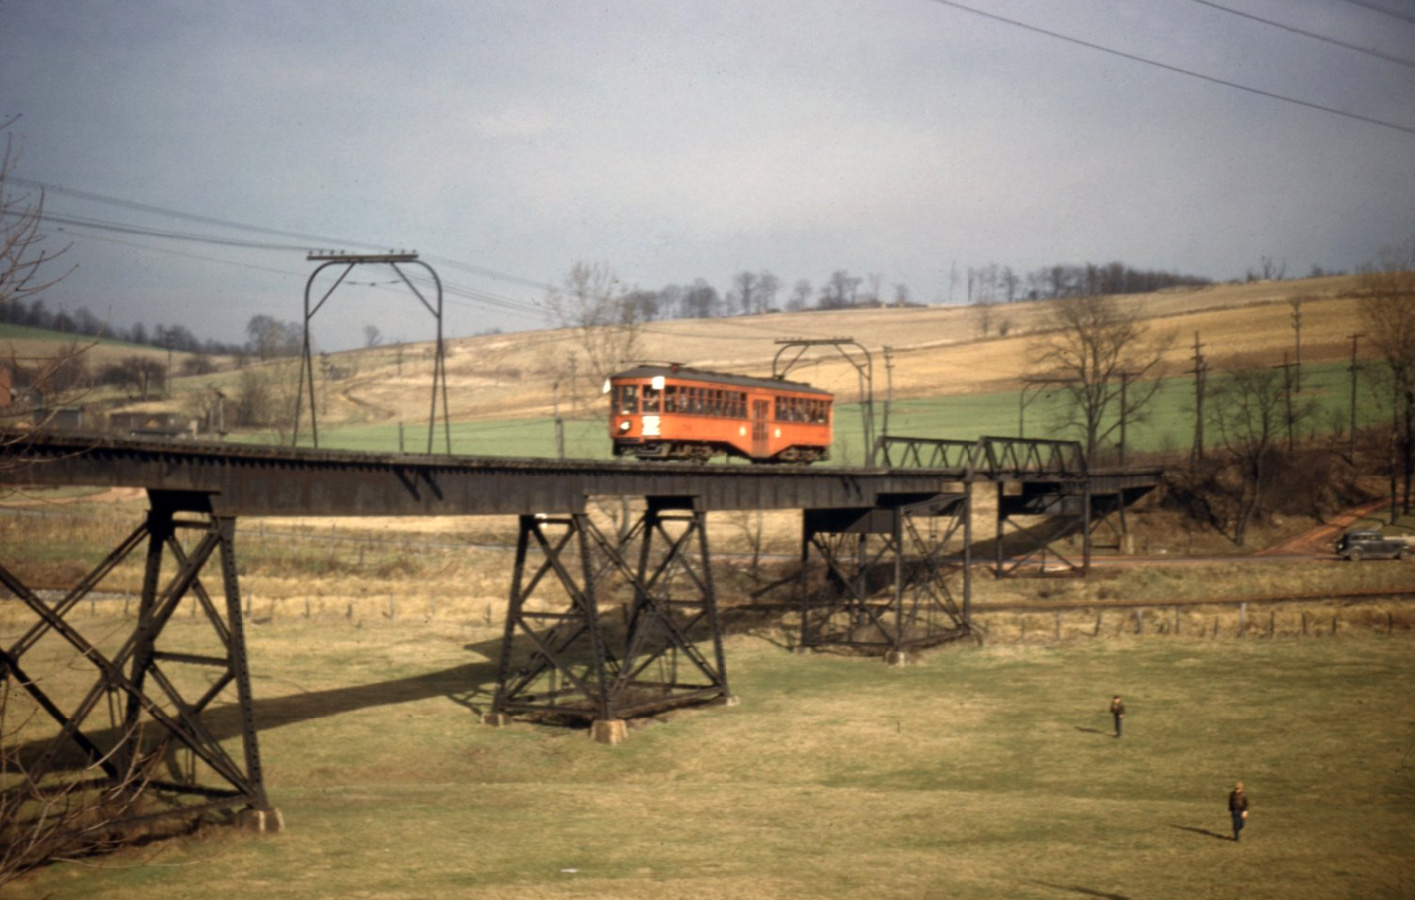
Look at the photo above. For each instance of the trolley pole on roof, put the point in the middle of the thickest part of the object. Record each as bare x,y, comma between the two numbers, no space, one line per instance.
855,354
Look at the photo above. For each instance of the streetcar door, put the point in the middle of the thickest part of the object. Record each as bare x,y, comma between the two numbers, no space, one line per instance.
761,430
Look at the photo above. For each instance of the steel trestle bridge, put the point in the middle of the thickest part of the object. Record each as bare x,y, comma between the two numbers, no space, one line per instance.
885,567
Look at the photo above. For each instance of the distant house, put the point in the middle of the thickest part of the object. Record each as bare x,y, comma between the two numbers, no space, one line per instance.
59,418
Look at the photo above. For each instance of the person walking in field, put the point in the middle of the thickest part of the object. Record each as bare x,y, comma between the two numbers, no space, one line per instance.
1238,808
1117,712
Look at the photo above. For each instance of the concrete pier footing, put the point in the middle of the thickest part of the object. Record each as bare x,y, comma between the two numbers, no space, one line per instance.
609,731
261,821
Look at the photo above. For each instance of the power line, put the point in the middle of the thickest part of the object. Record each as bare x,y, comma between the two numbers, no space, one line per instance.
481,298
1176,69
1320,37
178,214
313,239
144,231
1376,7
171,252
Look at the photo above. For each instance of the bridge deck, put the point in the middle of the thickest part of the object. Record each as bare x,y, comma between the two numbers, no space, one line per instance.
283,481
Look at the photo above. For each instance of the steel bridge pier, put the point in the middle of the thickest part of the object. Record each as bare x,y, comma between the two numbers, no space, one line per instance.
143,723
886,572
564,655
601,627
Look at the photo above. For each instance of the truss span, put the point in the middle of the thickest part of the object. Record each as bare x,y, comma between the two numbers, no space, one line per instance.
281,481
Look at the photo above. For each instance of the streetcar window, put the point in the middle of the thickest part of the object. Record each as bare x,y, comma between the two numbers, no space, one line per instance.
670,398
652,400
698,400
628,402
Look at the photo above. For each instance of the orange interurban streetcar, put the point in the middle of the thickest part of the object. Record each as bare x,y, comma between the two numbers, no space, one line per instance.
672,412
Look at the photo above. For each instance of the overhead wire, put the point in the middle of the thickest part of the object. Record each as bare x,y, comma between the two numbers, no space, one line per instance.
181,253
479,297
310,240
473,297
1376,7
1320,37
1371,120
146,231
51,188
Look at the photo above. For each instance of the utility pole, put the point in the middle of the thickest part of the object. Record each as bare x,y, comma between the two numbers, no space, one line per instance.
1394,448
167,380
1287,399
1037,386
889,388
574,387
1201,372
559,423
1297,329
1354,369
1124,412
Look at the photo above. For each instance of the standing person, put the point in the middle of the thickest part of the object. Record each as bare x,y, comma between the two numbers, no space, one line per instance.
1238,808
1117,712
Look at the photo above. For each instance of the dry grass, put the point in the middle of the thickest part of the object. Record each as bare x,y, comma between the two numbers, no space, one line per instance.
937,351
976,773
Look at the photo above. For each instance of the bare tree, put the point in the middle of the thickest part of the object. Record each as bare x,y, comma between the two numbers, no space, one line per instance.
800,295
607,325
265,398
743,296
26,270
44,819
140,373
1387,308
372,336
767,287
701,300
270,338
24,260
840,291
1250,411
983,315
1102,356
876,283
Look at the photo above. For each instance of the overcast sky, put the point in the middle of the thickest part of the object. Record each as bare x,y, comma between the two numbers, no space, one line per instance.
683,140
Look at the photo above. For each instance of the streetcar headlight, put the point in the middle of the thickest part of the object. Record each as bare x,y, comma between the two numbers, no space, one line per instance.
624,426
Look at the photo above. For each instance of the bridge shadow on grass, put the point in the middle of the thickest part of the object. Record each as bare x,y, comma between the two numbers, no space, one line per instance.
460,684
1084,891
1204,831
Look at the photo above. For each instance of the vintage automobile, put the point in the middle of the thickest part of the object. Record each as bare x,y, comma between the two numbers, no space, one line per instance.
1359,545
672,412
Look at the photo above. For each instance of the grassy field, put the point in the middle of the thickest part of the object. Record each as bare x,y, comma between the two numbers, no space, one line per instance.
950,379
1167,424
980,772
